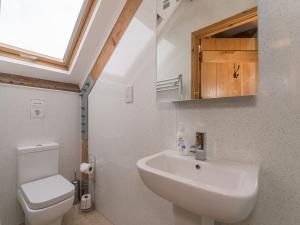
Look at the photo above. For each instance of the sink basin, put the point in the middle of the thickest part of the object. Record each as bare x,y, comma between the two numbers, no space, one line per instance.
218,189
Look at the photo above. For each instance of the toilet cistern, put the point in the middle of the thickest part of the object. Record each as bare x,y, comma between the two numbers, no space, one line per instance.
199,149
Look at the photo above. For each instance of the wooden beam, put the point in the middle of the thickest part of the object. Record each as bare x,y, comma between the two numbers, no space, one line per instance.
84,157
115,36
37,83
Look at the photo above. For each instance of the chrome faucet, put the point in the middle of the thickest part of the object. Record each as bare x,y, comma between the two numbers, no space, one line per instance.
200,147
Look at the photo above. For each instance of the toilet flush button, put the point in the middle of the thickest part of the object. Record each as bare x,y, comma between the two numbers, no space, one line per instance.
37,108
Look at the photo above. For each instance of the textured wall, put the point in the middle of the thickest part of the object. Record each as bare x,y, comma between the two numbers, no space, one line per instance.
61,124
263,129
121,134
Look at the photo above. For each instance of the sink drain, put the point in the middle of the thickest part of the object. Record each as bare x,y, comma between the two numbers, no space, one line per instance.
198,167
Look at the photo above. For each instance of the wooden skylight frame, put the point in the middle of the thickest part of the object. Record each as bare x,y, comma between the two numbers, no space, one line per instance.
41,59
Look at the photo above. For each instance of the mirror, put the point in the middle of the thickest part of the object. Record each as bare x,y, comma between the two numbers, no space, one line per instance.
206,49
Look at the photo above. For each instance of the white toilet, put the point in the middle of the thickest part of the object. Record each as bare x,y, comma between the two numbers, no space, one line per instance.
44,195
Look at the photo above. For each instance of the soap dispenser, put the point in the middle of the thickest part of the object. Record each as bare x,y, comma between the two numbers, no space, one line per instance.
181,140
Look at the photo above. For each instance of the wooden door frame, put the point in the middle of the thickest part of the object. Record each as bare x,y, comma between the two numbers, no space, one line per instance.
221,26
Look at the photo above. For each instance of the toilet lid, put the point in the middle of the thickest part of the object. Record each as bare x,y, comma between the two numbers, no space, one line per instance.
45,192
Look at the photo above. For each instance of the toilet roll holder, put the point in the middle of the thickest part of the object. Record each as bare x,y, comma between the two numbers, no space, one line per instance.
87,190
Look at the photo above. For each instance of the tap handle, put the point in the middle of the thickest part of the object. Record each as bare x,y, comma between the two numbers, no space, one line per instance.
192,149
195,148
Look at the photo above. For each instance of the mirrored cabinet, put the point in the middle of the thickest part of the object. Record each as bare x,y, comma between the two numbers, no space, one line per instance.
215,61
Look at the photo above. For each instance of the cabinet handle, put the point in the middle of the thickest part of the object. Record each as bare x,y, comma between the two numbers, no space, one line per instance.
235,74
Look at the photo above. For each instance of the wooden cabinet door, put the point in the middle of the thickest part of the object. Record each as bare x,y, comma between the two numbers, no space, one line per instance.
228,67
208,80
222,80
218,80
249,79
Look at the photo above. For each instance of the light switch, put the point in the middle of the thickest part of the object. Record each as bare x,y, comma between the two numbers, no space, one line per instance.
129,94
37,108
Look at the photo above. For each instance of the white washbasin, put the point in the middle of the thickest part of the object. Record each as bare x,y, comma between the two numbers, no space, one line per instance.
221,190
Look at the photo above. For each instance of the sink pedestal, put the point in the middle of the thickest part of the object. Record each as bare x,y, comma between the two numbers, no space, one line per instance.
184,217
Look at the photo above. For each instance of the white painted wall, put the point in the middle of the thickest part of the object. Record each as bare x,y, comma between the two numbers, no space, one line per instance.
174,40
120,133
61,124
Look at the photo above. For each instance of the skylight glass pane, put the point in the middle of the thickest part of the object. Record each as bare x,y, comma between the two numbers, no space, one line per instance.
41,26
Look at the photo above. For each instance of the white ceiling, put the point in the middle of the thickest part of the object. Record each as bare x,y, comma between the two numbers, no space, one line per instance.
103,19
166,13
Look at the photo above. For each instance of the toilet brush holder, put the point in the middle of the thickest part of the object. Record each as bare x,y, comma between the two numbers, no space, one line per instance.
77,186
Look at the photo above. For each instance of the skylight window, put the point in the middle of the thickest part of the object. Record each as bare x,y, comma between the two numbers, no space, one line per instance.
38,30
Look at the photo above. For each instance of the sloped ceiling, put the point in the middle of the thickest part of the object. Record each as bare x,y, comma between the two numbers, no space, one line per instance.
165,9
104,17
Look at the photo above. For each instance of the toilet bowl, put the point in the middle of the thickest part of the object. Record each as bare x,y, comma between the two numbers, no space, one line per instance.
45,201
45,196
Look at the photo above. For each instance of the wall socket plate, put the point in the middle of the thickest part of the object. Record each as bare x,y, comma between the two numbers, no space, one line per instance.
129,94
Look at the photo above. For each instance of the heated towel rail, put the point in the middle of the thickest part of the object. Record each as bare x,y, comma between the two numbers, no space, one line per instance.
170,85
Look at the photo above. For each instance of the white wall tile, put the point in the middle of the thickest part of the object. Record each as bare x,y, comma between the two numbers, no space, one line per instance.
121,134
263,129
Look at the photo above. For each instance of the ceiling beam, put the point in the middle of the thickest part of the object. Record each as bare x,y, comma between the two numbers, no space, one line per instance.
115,36
37,83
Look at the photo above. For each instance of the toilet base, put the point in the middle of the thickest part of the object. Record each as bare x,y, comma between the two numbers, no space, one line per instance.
53,213
56,222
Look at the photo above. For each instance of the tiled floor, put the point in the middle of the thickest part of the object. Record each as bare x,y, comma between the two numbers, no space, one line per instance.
74,217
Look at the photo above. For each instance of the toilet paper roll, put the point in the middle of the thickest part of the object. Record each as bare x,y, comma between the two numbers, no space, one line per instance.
86,202
86,168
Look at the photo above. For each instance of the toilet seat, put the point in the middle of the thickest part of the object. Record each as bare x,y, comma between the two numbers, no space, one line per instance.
45,192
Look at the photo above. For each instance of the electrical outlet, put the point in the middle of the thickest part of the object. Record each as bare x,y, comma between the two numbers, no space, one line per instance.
129,94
